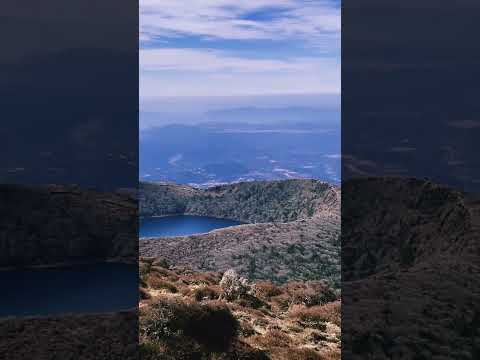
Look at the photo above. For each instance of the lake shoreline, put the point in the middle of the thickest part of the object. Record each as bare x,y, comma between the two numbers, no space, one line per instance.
182,225
243,221
67,264
78,289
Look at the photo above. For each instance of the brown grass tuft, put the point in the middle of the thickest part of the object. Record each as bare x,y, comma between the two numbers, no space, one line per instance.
143,293
329,312
267,289
211,324
206,293
158,283
272,339
296,354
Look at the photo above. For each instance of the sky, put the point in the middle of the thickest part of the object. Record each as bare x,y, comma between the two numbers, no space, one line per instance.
239,47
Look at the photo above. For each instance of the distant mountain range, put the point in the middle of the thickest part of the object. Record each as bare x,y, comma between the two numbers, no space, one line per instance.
274,115
212,153
245,115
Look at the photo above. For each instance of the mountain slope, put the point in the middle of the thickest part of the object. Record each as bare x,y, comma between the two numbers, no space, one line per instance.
253,202
410,274
186,314
293,232
51,224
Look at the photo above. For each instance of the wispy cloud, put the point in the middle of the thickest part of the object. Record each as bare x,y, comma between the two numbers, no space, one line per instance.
207,60
239,47
242,19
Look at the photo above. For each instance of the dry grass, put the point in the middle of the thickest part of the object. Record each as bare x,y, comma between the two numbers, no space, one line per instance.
309,293
296,354
156,282
170,275
271,322
272,339
206,293
330,312
267,289
144,294
211,324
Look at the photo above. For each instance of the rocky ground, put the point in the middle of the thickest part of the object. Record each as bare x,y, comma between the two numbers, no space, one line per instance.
186,314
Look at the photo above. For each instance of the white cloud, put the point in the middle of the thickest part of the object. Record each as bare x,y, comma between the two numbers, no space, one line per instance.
203,71
221,19
205,60
197,72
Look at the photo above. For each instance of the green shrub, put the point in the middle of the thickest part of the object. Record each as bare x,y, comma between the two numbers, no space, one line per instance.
206,292
161,262
211,324
150,351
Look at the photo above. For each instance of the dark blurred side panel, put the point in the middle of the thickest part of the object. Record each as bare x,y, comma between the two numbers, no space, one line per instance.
68,179
411,180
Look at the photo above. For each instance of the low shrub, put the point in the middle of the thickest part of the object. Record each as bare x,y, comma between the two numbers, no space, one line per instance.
316,337
250,301
246,329
144,268
207,278
150,351
282,301
160,271
296,354
243,351
331,354
143,294
267,289
211,324
310,293
327,295
142,281
158,283
161,262
206,293
272,339
330,312
234,286
165,273
295,329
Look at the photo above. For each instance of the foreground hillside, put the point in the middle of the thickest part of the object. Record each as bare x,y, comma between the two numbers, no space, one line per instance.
52,224
186,314
293,232
411,274
86,337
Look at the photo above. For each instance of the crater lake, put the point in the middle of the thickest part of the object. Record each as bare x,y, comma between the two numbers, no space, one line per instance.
94,288
181,225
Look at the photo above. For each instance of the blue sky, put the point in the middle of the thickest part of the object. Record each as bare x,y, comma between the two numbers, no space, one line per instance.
239,47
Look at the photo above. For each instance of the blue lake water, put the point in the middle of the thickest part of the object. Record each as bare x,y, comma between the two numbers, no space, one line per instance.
93,288
77,289
181,225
